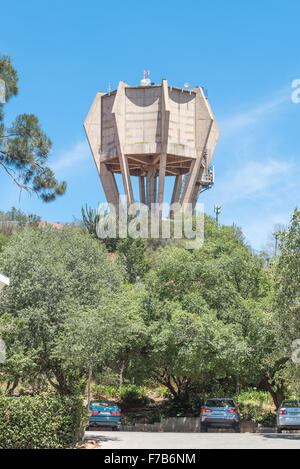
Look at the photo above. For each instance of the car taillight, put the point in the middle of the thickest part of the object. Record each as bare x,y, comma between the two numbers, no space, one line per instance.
283,412
206,410
94,413
115,413
233,411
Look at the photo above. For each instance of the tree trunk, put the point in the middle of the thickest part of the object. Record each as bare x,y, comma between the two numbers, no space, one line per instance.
89,385
277,396
121,378
237,386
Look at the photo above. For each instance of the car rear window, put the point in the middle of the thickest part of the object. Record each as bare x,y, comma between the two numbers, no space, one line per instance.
220,403
290,404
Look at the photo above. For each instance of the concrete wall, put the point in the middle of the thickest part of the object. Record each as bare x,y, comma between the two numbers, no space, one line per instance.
182,118
143,116
108,128
182,425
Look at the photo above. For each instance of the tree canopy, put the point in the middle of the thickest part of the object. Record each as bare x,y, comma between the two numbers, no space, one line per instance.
205,321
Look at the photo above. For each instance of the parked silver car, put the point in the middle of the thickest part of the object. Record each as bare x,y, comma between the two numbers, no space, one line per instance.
220,413
288,415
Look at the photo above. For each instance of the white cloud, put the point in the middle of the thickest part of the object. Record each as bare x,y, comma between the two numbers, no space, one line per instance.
253,115
72,157
253,179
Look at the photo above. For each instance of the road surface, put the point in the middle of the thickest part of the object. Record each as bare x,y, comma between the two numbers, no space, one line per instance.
143,440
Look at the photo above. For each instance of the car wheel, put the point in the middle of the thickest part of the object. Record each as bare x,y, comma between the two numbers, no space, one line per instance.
203,428
279,430
87,428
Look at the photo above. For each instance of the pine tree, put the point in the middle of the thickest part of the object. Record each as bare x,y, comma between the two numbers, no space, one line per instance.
24,147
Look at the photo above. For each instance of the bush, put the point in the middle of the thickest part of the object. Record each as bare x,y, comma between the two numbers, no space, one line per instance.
267,420
132,394
162,391
101,391
44,421
256,406
186,405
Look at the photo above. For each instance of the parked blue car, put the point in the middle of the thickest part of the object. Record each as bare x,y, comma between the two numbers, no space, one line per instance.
288,416
105,413
220,413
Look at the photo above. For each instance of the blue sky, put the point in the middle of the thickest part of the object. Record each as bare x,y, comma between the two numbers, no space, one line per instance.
245,53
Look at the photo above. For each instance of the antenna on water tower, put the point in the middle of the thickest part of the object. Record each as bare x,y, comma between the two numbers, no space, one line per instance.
146,80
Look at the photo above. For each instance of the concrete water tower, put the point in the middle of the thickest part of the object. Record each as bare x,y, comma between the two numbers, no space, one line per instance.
152,132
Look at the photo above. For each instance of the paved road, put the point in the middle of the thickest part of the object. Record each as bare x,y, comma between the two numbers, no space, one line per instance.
140,440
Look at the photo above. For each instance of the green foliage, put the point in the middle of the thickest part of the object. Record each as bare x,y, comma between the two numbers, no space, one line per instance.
40,422
255,405
285,272
18,216
54,274
90,220
162,391
109,335
287,283
101,391
132,394
4,238
15,220
186,405
205,312
267,420
24,147
132,251
197,322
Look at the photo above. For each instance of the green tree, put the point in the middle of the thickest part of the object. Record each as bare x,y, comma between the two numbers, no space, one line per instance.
287,282
4,238
133,253
228,286
90,219
189,353
286,303
24,147
107,336
53,273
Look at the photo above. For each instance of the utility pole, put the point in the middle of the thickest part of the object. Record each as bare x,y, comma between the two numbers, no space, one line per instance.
217,210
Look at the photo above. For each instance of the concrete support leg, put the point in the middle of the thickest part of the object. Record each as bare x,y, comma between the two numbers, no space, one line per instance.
126,178
177,188
151,186
142,190
161,181
109,185
204,123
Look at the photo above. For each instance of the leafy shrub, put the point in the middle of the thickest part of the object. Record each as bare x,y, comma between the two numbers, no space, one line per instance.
252,395
186,405
101,391
43,421
256,406
130,393
267,420
162,391
133,394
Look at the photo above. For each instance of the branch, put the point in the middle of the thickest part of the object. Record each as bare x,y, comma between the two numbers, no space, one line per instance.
21,186
11,135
